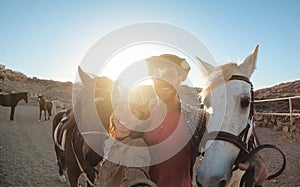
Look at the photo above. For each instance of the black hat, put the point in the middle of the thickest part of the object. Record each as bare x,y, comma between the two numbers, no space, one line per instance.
155,62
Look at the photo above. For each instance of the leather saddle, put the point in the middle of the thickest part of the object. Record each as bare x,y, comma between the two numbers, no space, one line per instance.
60,132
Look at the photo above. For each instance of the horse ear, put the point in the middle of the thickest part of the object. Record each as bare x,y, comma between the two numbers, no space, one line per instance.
248,64
205,67
85,78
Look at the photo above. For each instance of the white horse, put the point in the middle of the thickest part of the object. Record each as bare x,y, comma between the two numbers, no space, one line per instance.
227,98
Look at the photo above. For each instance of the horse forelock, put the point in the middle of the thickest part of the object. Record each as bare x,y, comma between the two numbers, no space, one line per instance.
220,75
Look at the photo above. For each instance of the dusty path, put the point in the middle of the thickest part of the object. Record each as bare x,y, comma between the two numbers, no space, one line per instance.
27,156
291,147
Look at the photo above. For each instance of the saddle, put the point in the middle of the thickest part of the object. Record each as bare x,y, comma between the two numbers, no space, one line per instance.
60,132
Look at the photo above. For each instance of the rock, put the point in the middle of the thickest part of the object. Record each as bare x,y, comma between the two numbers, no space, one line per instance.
257,124
279,124
285,129
273,120
297,130
270,125
293,128
276,128
258,118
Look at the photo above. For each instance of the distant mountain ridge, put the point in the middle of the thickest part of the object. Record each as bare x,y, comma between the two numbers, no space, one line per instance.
287,89
282,90
15,81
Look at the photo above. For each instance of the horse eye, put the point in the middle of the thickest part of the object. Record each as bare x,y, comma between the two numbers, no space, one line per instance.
245,101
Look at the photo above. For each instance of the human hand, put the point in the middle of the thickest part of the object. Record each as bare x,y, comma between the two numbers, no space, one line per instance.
261,171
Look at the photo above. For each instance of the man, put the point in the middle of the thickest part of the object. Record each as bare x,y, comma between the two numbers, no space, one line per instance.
173,144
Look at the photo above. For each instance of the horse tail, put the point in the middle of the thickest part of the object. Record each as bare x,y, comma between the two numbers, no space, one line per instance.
50,107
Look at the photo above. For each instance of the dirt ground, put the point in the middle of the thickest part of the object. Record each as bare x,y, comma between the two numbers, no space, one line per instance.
27,156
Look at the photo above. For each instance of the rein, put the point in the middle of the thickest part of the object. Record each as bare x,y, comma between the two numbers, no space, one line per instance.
247,148
76,157
78,162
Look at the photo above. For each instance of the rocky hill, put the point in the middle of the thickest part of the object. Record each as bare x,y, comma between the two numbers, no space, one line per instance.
15,81
282,90
287,89
279,122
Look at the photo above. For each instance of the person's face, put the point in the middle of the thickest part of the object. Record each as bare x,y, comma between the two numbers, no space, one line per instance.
125,119
166,80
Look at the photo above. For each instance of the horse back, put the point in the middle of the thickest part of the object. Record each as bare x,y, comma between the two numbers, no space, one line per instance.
7,100
49,105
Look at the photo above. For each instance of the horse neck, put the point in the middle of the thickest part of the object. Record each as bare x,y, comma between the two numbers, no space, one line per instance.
104,113
19,96
42,101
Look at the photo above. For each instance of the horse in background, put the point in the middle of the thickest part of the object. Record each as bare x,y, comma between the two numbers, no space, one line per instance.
72,140
11,100
46,106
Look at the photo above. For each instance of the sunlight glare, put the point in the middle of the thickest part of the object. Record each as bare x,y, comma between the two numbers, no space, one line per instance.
128,65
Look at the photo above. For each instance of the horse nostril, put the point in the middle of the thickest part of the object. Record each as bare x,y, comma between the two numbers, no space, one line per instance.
222,183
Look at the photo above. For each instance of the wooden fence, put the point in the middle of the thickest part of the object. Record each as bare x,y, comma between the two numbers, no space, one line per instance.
291,114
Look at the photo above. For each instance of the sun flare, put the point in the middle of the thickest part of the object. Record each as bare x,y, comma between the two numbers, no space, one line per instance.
128,65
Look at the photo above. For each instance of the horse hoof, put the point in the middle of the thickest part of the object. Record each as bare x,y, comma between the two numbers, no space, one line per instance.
62,179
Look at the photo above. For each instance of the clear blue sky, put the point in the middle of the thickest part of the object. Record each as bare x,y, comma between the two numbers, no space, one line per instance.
48,39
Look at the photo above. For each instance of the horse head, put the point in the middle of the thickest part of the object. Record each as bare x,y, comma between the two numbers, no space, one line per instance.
228,98
92,110
25,97
41,99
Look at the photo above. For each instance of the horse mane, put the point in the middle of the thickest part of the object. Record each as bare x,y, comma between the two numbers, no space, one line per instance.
219,75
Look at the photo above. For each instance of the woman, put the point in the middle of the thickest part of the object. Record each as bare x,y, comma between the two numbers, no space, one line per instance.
127,158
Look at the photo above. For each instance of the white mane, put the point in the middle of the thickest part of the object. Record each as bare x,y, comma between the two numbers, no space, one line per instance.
219,75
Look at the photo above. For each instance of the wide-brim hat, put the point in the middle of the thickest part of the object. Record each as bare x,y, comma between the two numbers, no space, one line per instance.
156,62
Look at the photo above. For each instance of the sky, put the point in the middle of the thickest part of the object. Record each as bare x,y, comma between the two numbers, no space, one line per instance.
49,39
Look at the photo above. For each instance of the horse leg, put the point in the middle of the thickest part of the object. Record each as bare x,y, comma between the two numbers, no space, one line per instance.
12,113
49,114
45,113
61,164
40,114
73,178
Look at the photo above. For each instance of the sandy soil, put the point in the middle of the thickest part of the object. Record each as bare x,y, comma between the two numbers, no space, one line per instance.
27,156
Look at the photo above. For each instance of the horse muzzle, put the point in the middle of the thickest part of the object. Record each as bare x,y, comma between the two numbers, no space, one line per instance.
215,170
212,181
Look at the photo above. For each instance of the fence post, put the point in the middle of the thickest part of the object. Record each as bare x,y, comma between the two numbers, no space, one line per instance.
291,112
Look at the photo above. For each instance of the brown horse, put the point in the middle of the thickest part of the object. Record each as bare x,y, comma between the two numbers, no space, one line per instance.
11,100
45,105
75,156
